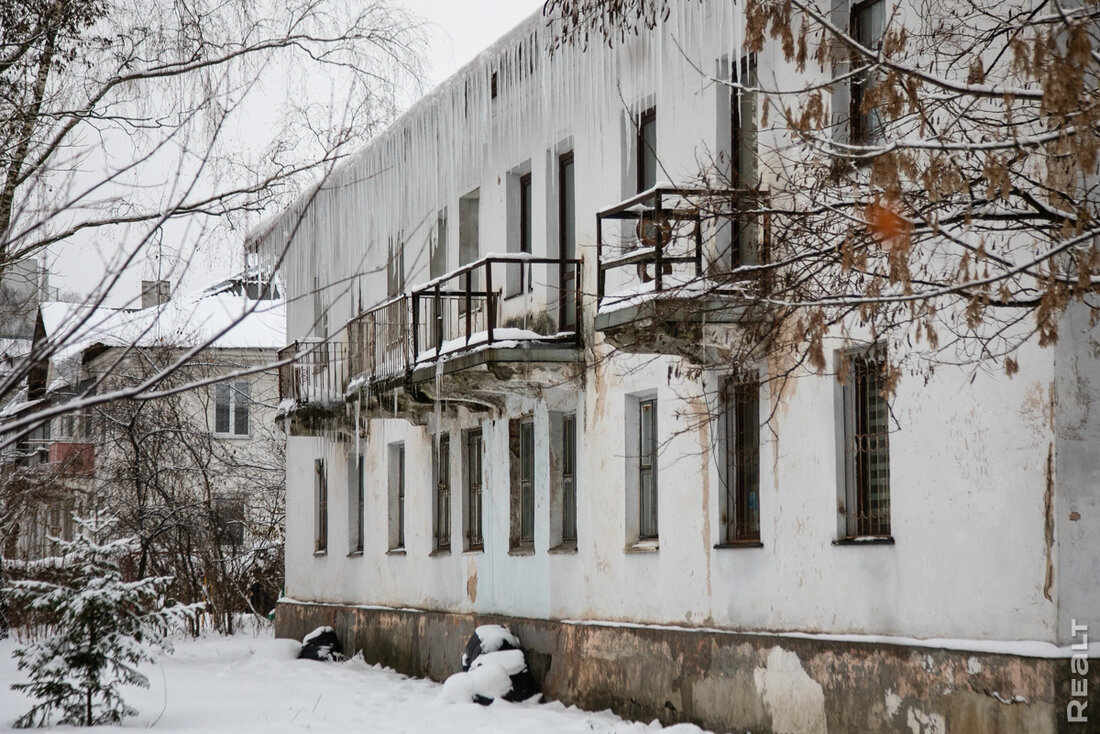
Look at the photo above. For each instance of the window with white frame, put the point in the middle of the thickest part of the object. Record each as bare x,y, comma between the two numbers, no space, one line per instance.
232,401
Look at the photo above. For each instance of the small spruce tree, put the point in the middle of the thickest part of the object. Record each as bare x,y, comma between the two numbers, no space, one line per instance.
101,628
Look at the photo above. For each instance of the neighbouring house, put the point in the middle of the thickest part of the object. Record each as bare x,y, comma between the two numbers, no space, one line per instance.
196,473
521,394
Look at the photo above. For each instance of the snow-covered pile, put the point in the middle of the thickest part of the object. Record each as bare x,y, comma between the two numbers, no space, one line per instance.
245,685
321,644
493,666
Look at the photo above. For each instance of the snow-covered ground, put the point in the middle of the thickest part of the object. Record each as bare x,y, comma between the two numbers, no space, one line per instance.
253,683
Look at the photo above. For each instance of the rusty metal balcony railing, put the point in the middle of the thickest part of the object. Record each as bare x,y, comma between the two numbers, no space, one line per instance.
317,373
498,299
668,235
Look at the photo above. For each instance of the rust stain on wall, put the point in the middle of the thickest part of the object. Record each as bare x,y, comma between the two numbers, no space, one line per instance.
1048,524
471,581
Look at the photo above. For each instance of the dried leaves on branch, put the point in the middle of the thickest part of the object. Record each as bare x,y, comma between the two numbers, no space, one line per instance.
928,176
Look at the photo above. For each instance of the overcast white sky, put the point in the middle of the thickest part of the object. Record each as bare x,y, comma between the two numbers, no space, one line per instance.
462,28
457,31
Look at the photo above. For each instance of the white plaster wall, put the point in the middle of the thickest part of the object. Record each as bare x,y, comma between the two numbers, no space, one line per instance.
968,458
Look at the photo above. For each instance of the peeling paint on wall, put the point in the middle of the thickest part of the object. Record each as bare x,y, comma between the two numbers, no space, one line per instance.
795,701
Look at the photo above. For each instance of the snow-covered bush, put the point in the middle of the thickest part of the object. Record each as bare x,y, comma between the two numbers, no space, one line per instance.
99,629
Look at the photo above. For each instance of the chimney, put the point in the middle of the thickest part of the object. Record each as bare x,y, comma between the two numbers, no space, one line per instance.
155,293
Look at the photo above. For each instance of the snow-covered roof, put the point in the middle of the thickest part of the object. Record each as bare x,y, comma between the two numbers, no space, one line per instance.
222,321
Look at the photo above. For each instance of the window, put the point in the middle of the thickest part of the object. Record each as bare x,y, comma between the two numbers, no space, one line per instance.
397,496
395,267
521,469
741,506
468,234
519,228
569,478
743,166
355,503
647,469
437,258
442,516
474,449
229,520
867,26
231,406
320,313
320,506
567,240
646,147
866,445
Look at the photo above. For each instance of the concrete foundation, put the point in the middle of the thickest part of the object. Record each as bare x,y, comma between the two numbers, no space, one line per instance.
725,681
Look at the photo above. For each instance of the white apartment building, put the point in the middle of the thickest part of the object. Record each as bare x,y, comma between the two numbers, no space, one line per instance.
515,400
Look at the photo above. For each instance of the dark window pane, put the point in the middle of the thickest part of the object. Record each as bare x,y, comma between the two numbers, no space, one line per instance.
647,149
569,486
241,404
221,408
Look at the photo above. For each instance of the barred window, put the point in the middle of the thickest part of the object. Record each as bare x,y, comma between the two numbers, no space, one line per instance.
647,469
397,495
474,538
867,445
741,510
355,503
443,493
320,506
568,478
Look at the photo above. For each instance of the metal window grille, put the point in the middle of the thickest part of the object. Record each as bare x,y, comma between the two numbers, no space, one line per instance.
357,505
320,482
647,468
568,478
742,510
867,446
474,539
443,494
399,457
527,482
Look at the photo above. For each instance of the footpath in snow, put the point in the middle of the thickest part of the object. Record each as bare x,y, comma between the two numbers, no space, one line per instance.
254,684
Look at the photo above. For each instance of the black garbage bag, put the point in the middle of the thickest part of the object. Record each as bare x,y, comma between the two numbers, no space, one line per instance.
487,643
321,644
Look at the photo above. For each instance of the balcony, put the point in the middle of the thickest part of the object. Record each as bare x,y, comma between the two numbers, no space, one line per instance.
471,335
314,374
660,290
72,459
